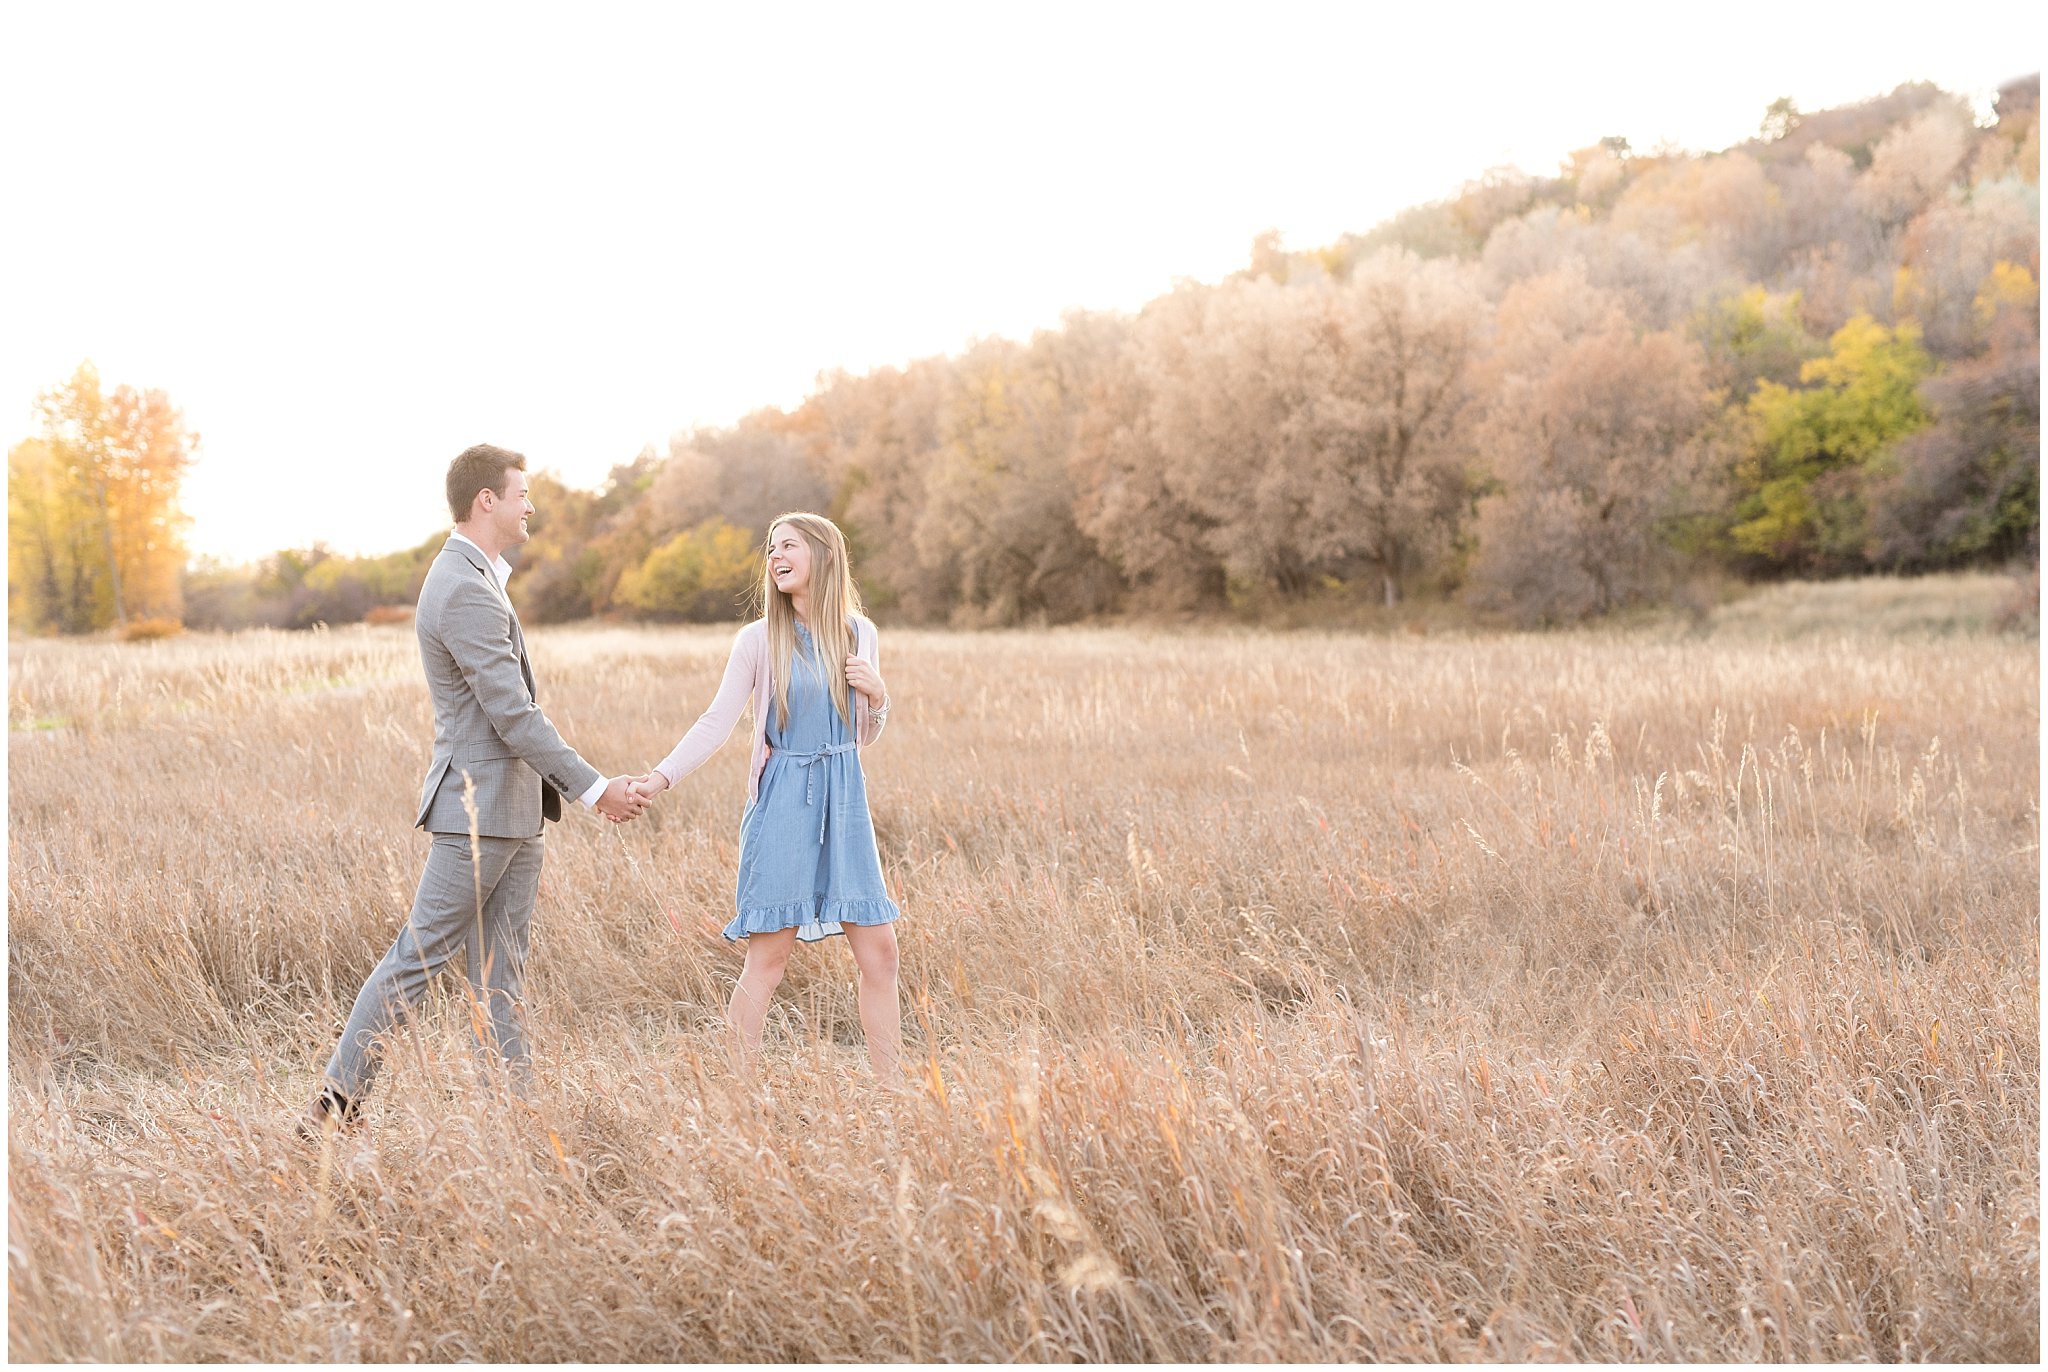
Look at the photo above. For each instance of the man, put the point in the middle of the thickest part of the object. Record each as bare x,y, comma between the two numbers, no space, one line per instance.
499,767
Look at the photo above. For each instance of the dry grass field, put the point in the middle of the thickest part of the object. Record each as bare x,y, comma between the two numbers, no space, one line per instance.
1624,996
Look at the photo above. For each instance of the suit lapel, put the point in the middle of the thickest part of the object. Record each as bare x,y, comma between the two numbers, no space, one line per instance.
525,662
474,556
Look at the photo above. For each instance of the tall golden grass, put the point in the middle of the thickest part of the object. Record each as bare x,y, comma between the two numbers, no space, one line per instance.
1268,996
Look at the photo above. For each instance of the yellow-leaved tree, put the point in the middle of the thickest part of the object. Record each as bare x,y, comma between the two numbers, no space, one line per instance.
94,532
701,575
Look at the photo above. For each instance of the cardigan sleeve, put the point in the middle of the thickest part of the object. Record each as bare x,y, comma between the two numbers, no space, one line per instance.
715,725
872,720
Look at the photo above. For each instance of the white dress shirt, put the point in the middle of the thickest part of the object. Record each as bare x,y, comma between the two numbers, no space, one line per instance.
504,572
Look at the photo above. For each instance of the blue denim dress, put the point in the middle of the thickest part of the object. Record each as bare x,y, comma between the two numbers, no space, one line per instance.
807,846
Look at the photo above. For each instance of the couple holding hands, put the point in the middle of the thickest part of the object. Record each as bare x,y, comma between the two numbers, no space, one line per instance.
808,866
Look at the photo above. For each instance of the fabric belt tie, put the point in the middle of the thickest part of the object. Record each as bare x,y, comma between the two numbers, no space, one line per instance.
809,762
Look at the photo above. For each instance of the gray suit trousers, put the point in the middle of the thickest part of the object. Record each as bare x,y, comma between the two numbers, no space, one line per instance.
481,910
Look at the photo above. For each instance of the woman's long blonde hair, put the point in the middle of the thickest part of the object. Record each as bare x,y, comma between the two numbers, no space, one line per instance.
833,598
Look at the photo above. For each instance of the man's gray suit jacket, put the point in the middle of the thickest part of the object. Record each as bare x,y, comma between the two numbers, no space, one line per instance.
487,719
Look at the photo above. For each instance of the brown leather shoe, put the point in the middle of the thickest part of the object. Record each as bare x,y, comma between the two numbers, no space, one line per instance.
330,1110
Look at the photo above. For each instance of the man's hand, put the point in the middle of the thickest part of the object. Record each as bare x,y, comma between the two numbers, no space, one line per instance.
649,785
862,676
620,802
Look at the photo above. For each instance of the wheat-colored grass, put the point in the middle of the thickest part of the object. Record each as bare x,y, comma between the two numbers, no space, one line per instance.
1269,996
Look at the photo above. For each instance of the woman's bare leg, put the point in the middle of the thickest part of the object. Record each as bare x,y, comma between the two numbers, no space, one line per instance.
747,1012
881,1018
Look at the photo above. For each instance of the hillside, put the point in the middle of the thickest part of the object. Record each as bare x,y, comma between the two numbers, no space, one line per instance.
1546,399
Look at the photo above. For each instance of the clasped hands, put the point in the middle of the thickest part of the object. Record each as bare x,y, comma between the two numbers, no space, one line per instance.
647,786
628,797
620,802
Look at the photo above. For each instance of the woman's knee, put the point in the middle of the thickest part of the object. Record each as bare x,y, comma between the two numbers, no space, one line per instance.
875,954
766,962
765,974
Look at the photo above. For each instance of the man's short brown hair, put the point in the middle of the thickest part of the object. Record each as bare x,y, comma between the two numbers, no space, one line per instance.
478,467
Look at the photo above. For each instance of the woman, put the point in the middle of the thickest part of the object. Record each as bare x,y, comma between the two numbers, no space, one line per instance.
808,865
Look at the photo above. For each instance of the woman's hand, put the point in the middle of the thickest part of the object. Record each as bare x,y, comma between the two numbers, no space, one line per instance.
862,676
649,786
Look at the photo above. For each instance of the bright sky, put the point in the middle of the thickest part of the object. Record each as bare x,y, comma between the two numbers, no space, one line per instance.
351,240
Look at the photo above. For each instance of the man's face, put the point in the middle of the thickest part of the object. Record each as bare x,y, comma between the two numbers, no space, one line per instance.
507,513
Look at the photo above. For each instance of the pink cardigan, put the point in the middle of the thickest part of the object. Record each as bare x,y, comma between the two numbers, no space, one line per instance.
749,678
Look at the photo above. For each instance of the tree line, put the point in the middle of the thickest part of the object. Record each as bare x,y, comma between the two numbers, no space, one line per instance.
1548,397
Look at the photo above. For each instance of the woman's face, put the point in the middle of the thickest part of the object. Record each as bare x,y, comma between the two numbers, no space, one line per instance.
789,559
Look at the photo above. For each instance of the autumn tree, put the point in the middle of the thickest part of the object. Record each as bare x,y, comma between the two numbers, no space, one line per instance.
1591,430
999,508
1751,336
1967,488
1498,195
561,570
703,574
55,558
151,452
95,532
1659,284
1374,454
2014,147
1124,498
1725,203
745,475
1781,117
583,544
1965,250
1834,257
1293,432
1597,172
876,438
1916,161
1801,504
1222,369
